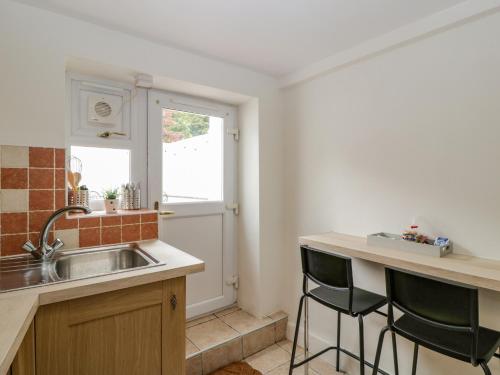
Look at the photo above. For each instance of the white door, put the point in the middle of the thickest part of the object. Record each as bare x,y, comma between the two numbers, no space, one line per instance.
191,168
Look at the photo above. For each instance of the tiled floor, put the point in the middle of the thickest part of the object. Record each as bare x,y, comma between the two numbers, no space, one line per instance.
228,336
275,361
231,335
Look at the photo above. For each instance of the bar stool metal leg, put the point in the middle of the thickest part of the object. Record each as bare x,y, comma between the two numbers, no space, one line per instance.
415,359
379,349
361,346
485,368
296,335
306,331
337,365
395,353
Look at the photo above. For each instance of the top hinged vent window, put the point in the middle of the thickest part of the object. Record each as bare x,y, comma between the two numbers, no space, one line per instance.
101,111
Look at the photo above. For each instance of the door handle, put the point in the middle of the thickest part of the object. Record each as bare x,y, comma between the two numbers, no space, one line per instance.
166,213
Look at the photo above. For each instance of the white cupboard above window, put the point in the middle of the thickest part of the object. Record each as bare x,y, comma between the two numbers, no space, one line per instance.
101,111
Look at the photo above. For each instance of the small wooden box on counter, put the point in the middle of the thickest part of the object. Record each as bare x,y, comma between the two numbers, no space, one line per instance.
395,241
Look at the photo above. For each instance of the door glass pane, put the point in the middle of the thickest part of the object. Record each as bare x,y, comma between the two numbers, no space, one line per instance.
192,157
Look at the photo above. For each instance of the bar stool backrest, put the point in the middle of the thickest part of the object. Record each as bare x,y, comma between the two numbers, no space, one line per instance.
438,303
326,269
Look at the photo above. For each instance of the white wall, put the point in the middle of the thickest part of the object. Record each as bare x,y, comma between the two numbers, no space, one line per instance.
413,132
34,46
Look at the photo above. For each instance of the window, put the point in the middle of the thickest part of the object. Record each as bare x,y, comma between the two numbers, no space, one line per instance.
192,157
103,168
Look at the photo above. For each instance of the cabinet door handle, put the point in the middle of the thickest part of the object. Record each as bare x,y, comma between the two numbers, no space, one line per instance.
173,302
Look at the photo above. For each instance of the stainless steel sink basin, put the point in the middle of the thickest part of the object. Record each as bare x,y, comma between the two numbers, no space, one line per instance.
25,272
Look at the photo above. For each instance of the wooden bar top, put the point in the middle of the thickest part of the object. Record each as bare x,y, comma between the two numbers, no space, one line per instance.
465,269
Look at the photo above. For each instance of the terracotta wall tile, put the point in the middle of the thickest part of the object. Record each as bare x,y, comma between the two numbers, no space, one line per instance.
11,243
60,158
131,233
60,178
41,200
149,231
107,221
90,237
41,157
131,219
14,178
60,199
149,218
64,223
37,219
41,178
14,223
89,222
111,235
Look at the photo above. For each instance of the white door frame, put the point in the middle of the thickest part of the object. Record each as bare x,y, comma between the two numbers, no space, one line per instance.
158,99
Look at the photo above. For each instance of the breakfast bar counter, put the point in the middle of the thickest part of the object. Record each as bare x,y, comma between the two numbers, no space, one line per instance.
465,269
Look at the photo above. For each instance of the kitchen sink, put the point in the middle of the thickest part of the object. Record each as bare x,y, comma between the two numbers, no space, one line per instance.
24,272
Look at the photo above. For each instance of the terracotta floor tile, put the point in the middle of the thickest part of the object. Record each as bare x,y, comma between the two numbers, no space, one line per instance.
243,322
268,359
197,321
210,333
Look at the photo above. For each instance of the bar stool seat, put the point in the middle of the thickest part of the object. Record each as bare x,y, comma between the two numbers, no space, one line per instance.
363,301
336,291
444,341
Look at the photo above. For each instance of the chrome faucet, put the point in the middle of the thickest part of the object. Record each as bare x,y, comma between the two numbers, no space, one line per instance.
44,250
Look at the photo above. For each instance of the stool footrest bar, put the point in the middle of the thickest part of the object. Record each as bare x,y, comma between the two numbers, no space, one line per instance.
352,355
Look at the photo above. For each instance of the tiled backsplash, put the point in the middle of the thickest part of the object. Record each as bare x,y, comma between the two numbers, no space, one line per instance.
33,185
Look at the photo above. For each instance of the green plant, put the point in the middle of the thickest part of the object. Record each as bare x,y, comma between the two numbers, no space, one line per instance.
110,193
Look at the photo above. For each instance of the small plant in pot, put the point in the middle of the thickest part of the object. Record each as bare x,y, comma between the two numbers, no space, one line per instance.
111,201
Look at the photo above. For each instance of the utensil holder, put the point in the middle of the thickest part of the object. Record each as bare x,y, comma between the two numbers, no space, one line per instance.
78,198
131,200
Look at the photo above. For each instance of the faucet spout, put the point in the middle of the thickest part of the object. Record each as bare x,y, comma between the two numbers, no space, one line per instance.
46,250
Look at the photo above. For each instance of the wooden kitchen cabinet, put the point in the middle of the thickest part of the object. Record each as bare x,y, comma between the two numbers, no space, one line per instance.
24,362
139,330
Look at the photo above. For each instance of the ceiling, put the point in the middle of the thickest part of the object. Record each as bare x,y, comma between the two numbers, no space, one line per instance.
275,37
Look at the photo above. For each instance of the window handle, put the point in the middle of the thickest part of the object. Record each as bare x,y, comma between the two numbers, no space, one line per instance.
108,134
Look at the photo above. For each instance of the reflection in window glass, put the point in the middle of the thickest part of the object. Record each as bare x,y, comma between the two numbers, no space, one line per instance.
103,168
192,157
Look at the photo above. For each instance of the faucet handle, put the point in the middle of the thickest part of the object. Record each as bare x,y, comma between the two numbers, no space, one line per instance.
29,247
57,244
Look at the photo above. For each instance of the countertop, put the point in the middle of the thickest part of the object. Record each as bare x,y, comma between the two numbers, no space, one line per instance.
18,308
465,269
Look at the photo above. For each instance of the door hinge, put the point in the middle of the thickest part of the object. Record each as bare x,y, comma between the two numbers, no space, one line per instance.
235,132
234,281
235,207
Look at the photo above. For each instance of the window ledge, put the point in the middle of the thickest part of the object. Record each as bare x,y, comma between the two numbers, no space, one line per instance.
118,213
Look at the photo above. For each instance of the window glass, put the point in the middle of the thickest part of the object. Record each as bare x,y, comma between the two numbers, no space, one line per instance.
103,168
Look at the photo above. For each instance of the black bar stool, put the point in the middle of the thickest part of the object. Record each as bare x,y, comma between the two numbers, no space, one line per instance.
333,274
440,316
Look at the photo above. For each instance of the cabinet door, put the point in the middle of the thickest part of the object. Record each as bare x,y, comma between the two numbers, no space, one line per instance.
118,333
174,326
24,362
